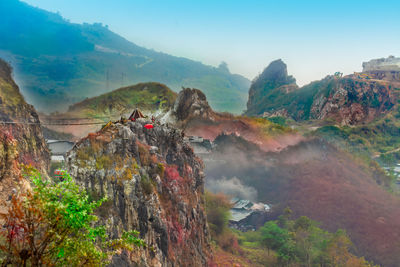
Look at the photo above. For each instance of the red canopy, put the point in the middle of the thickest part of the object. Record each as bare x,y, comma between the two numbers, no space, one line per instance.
148,126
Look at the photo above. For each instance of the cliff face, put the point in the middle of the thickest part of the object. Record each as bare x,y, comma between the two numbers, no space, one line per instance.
351,101
21,138
190,104
274,78
348,101
154,184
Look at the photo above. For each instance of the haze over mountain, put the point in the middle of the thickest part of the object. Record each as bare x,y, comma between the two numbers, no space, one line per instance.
315,38
155,181
60,63
283,167
318,165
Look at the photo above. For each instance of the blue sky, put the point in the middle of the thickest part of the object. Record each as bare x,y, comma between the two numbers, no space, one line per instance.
314,38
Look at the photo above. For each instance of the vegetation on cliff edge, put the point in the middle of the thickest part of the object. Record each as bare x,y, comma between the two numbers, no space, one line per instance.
52,224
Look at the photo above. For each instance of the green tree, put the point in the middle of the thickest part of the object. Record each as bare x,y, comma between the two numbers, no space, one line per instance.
306,243
52,224
218,212
273,237
280,240
283,220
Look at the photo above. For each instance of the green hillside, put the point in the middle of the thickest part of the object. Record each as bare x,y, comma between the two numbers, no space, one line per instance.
146,96
59,63
298,102
379,139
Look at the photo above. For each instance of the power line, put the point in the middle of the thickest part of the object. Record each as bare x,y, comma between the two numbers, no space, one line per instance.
88,123
49,124
17,122
66,119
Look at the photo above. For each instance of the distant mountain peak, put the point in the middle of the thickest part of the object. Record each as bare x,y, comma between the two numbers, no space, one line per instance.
56,59
276,71
348,100
275,76
223,66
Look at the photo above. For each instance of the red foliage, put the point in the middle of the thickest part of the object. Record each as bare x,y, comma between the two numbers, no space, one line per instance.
14,231
172,174
178,231
28,160
6,135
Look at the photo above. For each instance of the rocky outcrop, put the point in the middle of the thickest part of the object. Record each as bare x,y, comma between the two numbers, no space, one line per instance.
21,137
154,184
190,104
274,78
346,100
351,101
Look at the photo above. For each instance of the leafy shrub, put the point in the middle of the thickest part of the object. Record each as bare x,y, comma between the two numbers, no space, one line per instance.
144,155
146,184
278,120
218,212
302,242
228,242
103,162
161,170
52,225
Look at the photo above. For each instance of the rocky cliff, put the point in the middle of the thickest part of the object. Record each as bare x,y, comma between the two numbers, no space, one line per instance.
347,100
274,78
192,104
154,184
352,101
21,138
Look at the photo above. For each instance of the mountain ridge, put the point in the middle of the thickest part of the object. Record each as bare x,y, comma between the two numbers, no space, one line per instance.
73,61
348,100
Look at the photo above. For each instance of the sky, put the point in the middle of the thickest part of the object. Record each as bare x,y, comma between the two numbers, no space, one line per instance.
314,38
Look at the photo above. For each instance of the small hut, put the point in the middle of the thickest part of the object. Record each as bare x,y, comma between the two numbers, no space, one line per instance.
136,114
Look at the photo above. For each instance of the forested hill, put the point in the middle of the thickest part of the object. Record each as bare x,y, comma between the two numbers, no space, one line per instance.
55,59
